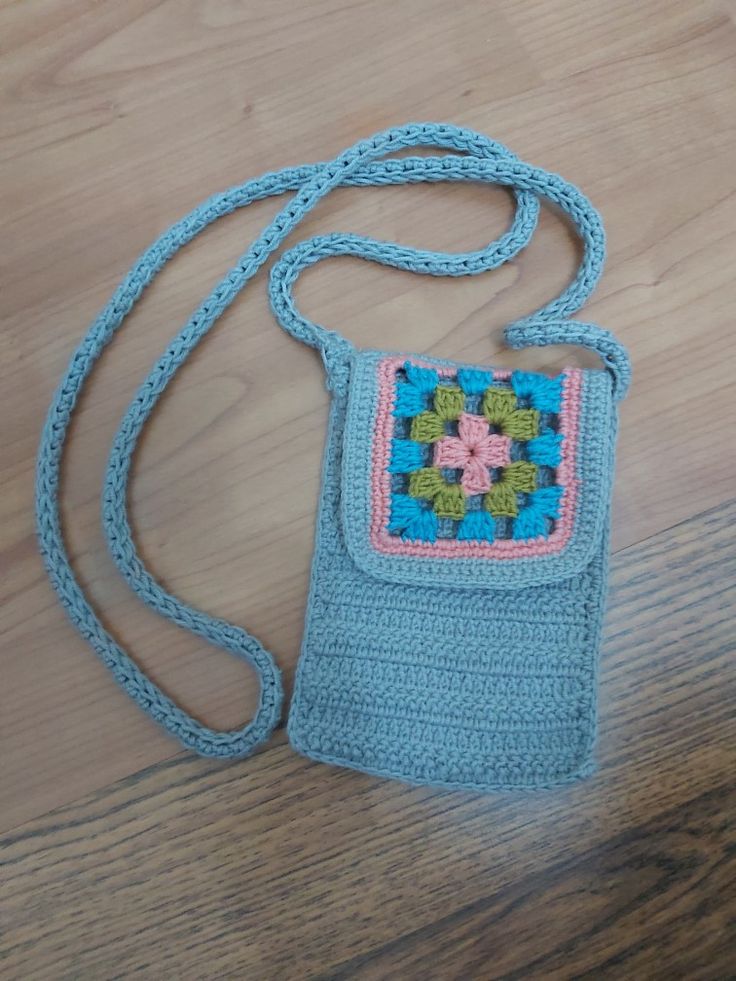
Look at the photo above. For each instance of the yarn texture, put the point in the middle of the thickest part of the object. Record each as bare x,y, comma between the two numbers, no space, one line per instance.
458,578
456,644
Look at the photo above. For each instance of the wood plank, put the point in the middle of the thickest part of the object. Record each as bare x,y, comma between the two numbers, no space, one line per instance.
277,867
118,118
120,854
652,902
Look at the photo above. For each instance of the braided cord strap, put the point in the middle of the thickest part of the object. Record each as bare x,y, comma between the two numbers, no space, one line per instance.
358,166
543,327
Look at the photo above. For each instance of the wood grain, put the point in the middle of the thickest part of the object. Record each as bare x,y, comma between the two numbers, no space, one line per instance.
122,853
281,868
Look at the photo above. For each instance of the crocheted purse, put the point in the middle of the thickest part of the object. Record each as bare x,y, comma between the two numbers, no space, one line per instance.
459,571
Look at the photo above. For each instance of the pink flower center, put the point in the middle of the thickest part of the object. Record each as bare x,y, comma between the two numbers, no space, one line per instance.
475,450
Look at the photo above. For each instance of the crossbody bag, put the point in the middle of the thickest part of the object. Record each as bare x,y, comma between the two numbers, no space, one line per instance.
458,580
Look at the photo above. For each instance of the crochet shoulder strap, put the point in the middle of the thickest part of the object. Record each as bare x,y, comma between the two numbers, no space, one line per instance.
475,158
544,327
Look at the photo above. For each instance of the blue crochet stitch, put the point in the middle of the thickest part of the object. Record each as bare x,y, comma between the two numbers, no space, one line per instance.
459,571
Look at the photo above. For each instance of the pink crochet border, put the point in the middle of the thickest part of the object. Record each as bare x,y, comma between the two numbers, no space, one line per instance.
452,547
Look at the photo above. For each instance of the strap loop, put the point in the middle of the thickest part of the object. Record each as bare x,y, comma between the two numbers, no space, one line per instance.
504,169
541,333
484,160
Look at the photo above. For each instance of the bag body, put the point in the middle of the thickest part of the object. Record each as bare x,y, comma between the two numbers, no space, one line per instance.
462,649
458,579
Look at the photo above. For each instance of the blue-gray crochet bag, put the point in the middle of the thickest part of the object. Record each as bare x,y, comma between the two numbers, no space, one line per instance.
458,579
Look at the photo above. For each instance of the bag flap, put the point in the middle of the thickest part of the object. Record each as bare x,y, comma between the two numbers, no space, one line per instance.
469,477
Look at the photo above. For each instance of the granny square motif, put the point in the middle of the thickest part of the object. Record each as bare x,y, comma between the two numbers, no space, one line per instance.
510,492
473,462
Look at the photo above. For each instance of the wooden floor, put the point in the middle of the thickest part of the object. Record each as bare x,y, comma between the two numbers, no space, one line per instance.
124,856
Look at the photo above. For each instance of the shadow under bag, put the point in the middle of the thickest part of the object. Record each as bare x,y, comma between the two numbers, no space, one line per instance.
459,572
